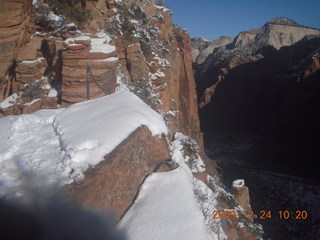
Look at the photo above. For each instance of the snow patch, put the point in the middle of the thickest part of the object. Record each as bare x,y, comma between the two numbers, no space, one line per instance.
110,59
9,101
238,183
53,93
32,61
83,38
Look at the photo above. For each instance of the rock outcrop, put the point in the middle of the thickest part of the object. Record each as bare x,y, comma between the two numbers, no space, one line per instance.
81,63
114,183
241,194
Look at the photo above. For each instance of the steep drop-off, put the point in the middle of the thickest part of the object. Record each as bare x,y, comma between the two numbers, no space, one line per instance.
262,84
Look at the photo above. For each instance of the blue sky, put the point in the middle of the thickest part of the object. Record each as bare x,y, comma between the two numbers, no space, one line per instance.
213,18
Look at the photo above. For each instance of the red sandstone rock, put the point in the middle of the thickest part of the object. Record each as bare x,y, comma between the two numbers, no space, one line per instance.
14,23
138,67
114,183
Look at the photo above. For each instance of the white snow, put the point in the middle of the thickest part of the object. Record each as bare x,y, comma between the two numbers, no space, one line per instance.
75,45
164,9
156,75
69,41
110,59
62,144
238,183
173,205
9,101
71,25
52,93
99,43
102,47
83,38
32,102
32,61
56,19
165,209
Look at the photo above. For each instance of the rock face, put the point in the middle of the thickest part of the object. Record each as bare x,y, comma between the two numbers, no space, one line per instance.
14,31
114,183
202,48
80,64
248,85
30,62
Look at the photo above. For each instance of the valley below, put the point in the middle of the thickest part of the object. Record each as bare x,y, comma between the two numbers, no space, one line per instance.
270,190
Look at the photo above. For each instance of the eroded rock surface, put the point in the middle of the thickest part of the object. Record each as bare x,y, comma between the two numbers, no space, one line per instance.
114,183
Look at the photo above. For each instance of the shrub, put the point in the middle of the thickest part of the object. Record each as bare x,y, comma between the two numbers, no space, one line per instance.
123,26
144,90
32,89
70,9
145,47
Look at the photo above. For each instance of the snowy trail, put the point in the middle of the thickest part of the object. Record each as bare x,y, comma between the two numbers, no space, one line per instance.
58,146
33,147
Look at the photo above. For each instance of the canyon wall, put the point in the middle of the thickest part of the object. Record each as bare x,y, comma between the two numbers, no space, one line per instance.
248,85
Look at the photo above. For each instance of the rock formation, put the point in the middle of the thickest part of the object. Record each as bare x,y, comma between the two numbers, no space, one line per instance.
14,32
202,48
249,84
107,185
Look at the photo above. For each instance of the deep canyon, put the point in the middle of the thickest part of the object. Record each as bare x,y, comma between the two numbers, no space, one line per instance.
113,101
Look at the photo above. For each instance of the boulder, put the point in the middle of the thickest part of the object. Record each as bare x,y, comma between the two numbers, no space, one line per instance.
114,183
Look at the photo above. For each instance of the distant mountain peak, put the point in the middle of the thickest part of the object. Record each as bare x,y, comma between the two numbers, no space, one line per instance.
284,21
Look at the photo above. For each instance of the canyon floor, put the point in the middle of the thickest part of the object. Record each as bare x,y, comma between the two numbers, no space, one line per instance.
269,190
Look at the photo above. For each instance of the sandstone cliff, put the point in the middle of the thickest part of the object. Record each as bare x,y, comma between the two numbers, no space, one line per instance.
14,32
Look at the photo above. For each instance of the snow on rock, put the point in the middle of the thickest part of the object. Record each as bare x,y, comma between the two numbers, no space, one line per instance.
62,144
162,8
165,209
56,20
83,38
156,75
110,59
101,47
196,165
101,44
98,43
106,123
31,146
32,61
9,101
238,183
53,93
